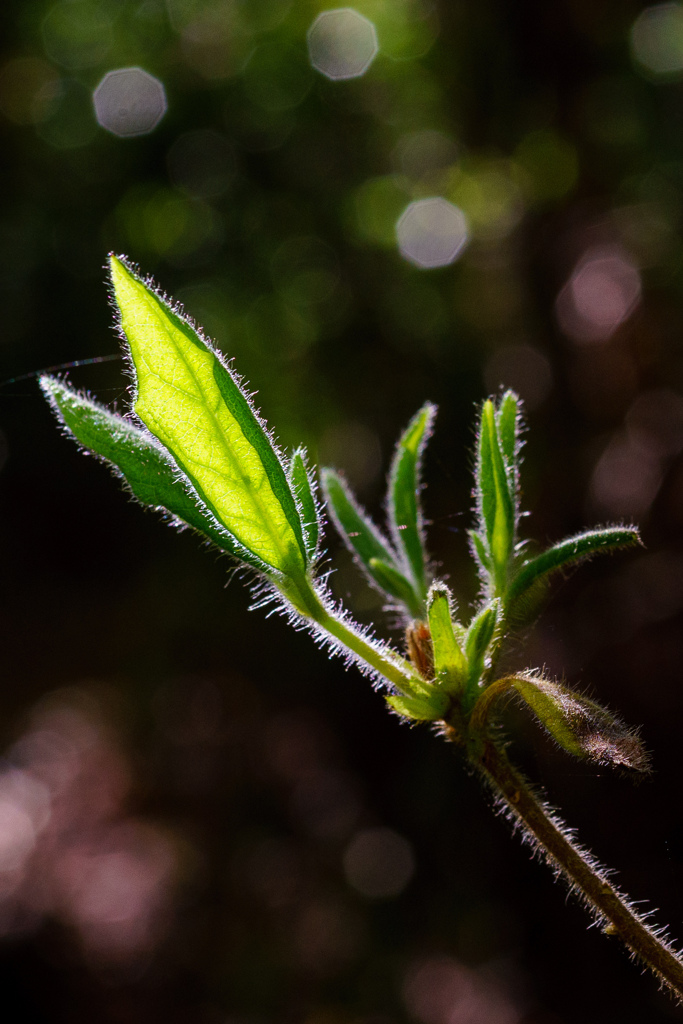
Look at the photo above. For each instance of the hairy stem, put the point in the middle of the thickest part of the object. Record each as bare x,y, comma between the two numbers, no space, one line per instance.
585,875
388,663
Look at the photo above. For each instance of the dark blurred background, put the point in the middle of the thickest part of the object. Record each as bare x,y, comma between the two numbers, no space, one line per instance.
202,818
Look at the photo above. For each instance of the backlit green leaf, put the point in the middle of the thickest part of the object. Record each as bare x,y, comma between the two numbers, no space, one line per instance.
494,500
195,406
302,487
405,513
421,709
450,664
478,639
581,726
507,419
147,468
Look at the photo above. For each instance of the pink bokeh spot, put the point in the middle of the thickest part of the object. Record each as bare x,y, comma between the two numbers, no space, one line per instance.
603,291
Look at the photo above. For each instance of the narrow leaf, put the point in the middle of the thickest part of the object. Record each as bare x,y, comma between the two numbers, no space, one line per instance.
507,419
147,468
302,486
195,406
495,501
356,528
480,632
405,514
450,664
395,585
480,553
420,709
485,481
537,571
581,726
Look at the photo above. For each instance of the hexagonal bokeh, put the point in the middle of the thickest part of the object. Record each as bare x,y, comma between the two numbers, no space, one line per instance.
432,232
129,101
657,40
342,43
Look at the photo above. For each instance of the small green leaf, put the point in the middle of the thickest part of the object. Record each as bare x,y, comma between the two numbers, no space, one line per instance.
148,470
195,406
430,708
495,503
300,480
450,664
480,632
536,572
405,514
395,585
355,527
480,553
580,726
478,640
507,419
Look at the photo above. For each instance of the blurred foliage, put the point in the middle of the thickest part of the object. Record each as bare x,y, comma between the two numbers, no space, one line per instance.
266,199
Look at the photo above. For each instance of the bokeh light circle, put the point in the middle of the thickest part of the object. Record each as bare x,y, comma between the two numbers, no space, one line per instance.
129,102
432,232
657,40
342,43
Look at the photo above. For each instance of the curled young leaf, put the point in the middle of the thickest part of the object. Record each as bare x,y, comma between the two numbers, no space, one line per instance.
405,514
189,399
579,725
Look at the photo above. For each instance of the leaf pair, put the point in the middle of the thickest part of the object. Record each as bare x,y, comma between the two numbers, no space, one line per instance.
205,455
497,492
519,581
398,566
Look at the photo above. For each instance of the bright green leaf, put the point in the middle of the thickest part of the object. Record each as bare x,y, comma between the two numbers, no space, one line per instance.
405,514
195,406
450,664
303,489
495,504
478,639
148,470
507,420
430,708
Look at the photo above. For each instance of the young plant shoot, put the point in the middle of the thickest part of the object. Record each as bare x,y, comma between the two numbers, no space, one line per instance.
193,447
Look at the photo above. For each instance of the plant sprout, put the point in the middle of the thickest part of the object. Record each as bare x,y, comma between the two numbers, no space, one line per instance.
193,447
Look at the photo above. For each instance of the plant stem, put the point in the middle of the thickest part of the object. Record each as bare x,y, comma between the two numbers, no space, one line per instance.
585,875
388,663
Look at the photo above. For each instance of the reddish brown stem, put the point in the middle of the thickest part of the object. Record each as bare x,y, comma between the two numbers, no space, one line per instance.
585,876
